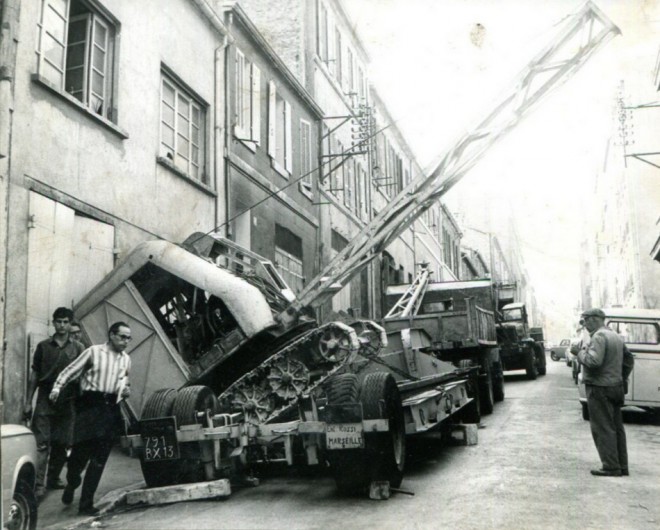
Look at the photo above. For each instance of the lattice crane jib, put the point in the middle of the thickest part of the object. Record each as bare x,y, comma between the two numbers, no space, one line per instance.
581,36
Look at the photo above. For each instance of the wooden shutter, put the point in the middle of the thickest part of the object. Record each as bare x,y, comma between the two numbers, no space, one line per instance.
288,138
272,114
256,105
52,45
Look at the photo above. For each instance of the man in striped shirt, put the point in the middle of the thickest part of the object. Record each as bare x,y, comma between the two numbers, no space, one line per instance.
102,370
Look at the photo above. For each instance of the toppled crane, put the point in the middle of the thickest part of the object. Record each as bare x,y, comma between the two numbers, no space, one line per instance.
231,371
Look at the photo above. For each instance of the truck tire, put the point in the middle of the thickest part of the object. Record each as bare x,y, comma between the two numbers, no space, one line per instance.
471,413
386,451
193,399
498,383
554,356
585,411
188,402
167,472
486,393
347,466
541,360
530,365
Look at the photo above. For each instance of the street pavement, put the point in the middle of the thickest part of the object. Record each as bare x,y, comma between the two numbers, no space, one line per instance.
529,470
122,473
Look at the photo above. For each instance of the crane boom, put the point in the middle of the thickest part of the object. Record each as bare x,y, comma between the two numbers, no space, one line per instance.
583,34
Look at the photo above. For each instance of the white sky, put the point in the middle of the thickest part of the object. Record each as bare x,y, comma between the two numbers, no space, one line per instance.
437,83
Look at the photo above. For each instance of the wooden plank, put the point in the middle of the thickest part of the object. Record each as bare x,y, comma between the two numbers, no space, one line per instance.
180,493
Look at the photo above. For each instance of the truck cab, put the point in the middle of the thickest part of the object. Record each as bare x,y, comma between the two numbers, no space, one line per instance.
518,349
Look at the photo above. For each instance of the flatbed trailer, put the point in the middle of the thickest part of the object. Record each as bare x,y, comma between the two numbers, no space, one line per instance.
356,424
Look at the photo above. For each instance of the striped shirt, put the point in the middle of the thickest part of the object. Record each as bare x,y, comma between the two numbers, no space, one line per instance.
100,368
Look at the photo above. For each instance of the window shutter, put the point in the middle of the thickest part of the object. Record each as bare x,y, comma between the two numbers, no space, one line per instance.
256,104
238,96
271,119
288,137
53,41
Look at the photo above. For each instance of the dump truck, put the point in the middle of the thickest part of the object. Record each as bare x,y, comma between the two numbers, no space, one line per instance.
521,347
231,371
460,318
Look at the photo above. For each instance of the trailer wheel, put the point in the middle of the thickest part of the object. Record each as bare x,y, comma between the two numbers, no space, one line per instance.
167,472
188,402
386,451
530,365
193,399
348,466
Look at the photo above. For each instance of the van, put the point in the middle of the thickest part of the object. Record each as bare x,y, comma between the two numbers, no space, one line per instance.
640,330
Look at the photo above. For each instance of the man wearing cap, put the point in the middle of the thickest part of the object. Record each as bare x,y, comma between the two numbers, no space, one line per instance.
603,373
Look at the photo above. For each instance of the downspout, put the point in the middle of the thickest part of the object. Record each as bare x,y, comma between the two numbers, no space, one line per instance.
219,136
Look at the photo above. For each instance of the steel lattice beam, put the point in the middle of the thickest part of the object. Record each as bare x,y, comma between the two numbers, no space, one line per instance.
582,35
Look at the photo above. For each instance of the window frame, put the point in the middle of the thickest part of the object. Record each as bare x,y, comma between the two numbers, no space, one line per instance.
181,91
247,101
56,75
306,164
285,166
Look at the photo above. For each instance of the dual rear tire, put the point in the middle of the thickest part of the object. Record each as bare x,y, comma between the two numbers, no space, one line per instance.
184,406
383,456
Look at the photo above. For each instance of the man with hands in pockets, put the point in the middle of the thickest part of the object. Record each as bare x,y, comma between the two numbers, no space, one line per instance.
102,370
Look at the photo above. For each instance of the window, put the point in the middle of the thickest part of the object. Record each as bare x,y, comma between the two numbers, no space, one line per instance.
306,157
279,130
349,186
363,203
636,332
350,78
323,33
338,53
337,183
248,98
76,53
289,257
182,130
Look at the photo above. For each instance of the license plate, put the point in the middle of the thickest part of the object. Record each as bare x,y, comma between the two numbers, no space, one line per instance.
344,436
159,439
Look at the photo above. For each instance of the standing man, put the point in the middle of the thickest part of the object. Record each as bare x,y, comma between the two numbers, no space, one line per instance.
75,331
604,370
103,371
52,424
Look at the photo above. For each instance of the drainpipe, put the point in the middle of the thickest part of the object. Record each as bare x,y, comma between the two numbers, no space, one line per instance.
220,137
220,118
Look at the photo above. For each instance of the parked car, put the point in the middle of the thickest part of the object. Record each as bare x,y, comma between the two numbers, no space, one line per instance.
559,352
19,460
640,329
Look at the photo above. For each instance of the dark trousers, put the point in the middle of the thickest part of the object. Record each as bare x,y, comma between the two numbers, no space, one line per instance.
93,454
52,427
605,404
98,424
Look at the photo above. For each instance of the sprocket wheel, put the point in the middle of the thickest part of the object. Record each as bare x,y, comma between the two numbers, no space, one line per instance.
288,378
335,345
254,401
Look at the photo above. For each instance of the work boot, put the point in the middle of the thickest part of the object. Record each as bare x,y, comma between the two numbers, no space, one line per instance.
606,472
88,510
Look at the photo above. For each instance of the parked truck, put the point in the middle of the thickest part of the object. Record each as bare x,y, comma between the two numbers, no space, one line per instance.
521,347
231,371
459,316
